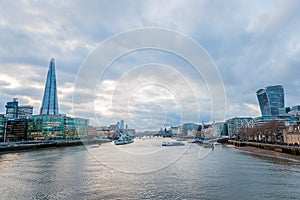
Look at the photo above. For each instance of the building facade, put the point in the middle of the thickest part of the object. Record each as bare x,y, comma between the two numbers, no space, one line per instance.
16,130
289,120
48,127
290,110
12,109
174,130
234,125
271,99
122,125
190,127
2,127
291,135
25,111
50,100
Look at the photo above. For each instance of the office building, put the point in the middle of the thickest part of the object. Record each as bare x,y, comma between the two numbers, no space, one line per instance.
46,127
2,127
50,100
25,111
122,125
12,109
290,110
271,99
16,130
234,125
289,120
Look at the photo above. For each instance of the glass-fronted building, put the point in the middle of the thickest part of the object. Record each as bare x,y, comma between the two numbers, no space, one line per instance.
122,125
271,99
50,100
16,130
43,127
2,127
12,109
234,125
46,127
76,128
290,110
25,111
288,120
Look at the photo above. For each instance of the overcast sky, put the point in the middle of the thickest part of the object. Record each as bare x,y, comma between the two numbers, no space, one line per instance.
253,44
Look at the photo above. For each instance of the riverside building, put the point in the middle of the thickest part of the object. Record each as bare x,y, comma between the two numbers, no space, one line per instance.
234,125
21,125
271,99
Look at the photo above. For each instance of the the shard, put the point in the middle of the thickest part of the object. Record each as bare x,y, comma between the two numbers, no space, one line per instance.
50,101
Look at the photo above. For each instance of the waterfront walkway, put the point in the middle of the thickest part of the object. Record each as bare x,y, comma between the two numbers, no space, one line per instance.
294,150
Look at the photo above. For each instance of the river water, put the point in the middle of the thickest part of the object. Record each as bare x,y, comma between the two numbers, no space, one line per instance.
146,170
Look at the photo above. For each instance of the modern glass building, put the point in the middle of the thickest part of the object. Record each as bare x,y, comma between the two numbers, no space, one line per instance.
271,99
2,127
50,100
41,127
75,128
16,130
46,127
190,127
234,125
12,109
25,111
122,125
290,110
288,120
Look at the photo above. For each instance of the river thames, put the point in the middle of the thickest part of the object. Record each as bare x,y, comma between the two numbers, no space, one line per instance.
145,170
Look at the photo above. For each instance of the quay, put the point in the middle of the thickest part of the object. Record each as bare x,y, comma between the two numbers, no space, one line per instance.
35,145
293,150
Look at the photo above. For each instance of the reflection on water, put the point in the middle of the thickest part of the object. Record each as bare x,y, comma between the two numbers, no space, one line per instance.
75,172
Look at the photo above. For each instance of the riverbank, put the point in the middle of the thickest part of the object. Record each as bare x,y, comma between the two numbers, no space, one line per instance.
266,153
269,150
28,146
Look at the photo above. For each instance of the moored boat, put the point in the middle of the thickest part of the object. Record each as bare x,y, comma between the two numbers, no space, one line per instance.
124,139
175,143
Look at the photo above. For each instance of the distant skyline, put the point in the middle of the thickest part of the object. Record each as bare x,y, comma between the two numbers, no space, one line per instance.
254,45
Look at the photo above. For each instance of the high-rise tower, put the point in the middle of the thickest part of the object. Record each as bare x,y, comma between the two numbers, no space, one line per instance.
270,100
50,101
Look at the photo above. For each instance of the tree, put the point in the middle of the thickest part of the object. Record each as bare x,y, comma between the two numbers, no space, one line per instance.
271,131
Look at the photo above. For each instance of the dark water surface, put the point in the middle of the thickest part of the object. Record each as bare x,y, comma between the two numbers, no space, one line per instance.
146,171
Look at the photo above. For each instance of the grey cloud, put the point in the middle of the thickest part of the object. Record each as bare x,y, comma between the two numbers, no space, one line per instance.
254,44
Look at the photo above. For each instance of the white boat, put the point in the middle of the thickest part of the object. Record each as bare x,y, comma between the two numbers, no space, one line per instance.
175,143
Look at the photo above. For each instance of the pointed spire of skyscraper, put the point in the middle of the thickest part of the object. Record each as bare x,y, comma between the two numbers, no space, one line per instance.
50,101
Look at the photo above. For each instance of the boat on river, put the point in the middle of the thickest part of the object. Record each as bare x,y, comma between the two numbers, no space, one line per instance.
95,146
124,139
175,143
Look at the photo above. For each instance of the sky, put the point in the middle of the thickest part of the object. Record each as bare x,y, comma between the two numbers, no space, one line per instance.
242,46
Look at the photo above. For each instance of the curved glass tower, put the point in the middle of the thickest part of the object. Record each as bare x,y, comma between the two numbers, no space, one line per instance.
270,100
50,101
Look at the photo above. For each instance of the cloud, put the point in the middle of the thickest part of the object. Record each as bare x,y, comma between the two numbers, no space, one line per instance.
254,44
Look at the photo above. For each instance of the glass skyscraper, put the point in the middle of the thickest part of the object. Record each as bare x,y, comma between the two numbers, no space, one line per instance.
270,100
122,125
12,109
50,101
